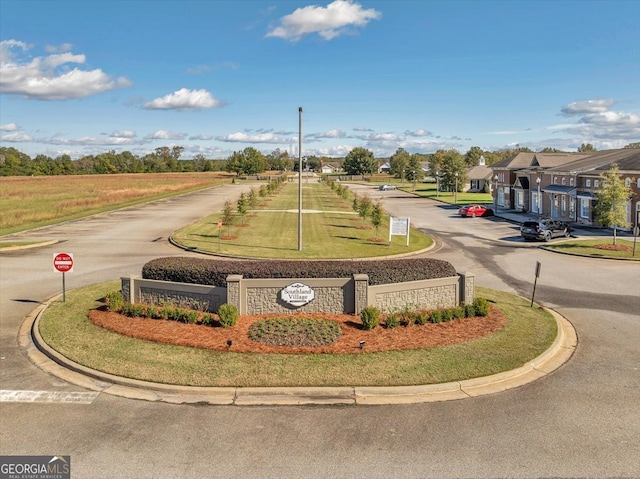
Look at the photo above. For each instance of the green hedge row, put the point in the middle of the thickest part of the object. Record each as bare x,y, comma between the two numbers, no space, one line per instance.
215,272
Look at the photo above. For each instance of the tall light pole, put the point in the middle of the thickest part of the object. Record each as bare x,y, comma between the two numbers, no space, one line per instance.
539,205
299,178
456,190
437,183
495,192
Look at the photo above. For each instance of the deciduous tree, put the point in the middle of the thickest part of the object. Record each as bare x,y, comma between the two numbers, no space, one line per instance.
613,195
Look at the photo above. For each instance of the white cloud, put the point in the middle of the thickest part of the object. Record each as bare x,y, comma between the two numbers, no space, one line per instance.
242,137
166,135
589,106
329,22
123,134
65,47
185,99
328,134
419,132
598,122
9,127
50,77
16,137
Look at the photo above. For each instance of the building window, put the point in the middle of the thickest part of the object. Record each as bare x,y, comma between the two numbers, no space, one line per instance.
555,180
564,181
627,182
587,183
596,183
572,207
571,181
584,208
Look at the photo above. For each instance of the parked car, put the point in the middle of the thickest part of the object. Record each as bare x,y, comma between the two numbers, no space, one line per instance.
475,210
544,230
387,187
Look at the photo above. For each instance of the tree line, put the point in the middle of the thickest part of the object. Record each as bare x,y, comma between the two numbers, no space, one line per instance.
250,161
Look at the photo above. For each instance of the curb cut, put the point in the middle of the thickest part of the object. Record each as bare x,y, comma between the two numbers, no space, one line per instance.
52,362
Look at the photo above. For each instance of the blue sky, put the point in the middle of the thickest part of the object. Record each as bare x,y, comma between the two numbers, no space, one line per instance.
86,77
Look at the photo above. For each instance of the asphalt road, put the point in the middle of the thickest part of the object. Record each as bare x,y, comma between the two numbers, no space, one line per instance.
581,421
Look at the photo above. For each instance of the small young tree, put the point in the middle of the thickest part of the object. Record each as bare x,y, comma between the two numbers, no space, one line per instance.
376,215
613,195
365,206
242,206
227,216
356,203
252,199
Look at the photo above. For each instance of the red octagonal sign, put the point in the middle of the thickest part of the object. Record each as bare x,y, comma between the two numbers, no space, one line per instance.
63,262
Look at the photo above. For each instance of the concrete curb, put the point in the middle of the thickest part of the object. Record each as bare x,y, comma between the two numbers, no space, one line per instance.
52,362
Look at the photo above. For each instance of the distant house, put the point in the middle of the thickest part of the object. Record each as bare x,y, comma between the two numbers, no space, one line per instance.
328,168
479,177
384,168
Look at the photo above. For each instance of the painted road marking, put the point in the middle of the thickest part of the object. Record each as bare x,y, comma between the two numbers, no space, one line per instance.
48,396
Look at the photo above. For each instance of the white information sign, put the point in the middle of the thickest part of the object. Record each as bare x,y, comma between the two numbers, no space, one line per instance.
297,294
399,227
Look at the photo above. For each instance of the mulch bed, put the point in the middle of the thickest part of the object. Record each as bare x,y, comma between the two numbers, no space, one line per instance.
378,339
614,247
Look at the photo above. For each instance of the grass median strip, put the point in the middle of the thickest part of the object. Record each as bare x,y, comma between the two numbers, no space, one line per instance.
65,327
330,230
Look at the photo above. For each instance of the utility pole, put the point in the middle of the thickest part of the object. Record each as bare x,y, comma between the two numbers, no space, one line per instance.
299,178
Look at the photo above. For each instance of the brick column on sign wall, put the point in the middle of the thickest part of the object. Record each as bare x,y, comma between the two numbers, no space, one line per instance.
467,287
233,291
361,291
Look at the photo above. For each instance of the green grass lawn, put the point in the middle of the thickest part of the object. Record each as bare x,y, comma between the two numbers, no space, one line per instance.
588,248
65,327
29,202
330,229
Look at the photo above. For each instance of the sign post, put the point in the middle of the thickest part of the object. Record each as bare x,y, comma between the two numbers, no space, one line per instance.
535,282
63,263
400,227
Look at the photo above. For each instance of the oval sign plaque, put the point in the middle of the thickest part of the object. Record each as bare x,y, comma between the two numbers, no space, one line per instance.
297,294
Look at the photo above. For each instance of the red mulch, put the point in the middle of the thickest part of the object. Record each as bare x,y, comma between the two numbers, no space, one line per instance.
378,339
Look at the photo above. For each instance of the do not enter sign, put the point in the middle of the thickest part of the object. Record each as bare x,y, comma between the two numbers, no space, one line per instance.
63,262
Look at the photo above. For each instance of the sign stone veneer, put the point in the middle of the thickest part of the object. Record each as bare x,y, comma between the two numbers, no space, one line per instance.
332,295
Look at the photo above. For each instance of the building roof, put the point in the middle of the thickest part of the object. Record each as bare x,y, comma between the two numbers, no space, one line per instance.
479,172
627,159
537,160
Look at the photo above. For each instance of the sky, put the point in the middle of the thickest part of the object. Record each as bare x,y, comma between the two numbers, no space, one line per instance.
214,77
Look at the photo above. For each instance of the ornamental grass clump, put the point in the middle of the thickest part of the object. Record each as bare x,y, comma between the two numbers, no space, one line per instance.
295,332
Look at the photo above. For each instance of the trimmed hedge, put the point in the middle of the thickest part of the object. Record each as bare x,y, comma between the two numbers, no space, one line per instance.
215,272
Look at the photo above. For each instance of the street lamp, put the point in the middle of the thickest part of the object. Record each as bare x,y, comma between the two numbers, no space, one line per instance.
456,190
539,205
437,183
495,193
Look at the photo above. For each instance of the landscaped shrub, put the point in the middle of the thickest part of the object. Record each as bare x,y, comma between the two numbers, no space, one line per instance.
207,319
392,321
421,317
133,310
447,315
213,272
435,316
370,317
227,315
114,301
457,312
481,306
191,316
469,310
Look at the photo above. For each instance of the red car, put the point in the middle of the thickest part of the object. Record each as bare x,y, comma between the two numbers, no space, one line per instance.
475,210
